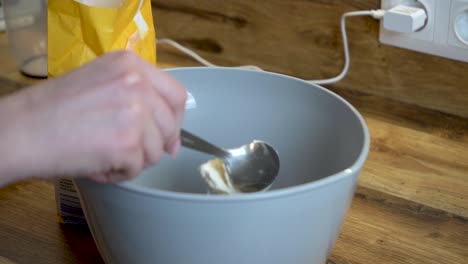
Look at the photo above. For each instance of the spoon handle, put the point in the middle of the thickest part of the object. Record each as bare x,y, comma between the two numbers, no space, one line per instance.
191,141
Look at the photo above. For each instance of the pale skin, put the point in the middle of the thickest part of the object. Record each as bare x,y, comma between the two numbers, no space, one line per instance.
107,121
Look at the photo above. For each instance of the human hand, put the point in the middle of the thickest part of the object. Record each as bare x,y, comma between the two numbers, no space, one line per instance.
107,120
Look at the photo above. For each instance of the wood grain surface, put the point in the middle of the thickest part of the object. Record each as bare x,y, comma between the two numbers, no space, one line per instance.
30,232
302,38
376,232
425,162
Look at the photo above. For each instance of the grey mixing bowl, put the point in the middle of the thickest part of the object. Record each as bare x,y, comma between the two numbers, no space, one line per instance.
165,216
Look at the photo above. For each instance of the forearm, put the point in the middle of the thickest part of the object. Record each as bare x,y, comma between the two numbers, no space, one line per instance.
12,138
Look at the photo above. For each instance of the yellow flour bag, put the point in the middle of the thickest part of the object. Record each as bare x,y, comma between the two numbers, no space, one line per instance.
82,30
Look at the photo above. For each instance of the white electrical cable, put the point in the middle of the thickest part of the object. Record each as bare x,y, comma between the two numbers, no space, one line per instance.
377,14
197,57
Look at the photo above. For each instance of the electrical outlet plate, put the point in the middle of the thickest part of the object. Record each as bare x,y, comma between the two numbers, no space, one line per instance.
445,32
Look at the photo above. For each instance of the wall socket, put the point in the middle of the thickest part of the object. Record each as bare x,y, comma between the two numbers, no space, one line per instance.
445,33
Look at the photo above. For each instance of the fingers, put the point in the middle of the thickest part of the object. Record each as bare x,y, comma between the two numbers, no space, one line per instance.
128,168
174,94
131,161
174,148
162,93
157,124
164,119
152,144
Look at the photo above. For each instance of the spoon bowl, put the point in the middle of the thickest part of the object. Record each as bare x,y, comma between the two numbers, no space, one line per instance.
250,168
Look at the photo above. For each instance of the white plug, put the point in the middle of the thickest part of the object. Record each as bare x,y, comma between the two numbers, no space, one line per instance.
405,19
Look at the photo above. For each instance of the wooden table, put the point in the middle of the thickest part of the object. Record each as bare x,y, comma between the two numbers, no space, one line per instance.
411,205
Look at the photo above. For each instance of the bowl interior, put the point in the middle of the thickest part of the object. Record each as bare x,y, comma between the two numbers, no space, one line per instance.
315,132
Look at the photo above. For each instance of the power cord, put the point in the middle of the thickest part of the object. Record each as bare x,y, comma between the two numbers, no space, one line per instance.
197,57
377,14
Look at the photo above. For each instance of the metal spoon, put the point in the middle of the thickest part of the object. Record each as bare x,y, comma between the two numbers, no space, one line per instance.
252,167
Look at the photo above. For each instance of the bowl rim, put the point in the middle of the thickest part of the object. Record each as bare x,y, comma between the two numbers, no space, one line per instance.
277,193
